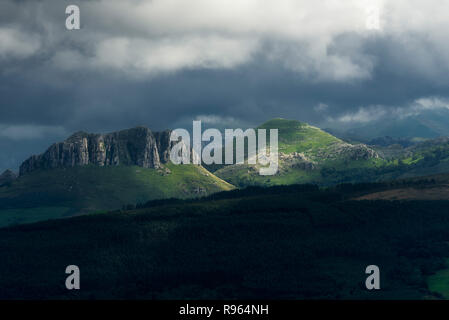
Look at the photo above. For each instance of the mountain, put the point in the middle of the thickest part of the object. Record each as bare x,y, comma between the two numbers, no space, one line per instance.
426,158
314,143
388,141
307,154
138,146
429,124
96,172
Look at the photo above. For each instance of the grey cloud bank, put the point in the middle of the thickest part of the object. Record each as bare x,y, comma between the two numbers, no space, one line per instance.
165,63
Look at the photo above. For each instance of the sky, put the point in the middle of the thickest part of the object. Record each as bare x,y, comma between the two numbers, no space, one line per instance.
164,63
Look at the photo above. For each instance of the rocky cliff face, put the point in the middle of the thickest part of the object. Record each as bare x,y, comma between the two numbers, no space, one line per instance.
138,146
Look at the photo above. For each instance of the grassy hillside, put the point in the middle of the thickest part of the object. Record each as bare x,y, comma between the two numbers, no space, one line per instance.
307,155
310,155
59,193
282,242
295,136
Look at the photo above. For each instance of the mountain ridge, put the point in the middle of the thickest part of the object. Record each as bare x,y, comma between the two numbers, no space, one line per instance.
90,172
136,146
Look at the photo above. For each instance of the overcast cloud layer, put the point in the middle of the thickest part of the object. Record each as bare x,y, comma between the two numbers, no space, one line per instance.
163,63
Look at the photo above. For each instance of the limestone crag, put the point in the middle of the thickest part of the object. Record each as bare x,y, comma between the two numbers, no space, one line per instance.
137,146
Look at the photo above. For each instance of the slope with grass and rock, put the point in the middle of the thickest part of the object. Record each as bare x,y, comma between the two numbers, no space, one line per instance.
96,172
307,154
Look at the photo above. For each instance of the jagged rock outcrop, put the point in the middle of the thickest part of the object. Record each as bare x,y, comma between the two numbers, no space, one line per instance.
296,160
138,146
7,177
359,152
349,152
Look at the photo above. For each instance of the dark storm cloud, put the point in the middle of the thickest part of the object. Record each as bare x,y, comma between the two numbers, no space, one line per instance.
163,64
